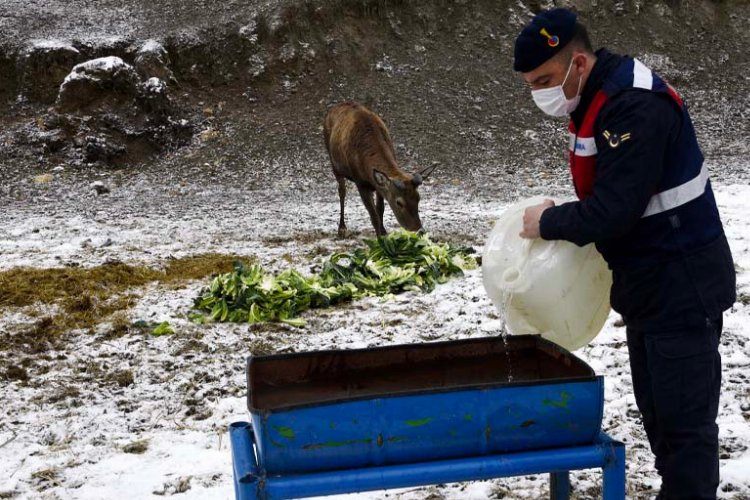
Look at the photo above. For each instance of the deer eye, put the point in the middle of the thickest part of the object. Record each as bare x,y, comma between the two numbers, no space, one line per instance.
400,203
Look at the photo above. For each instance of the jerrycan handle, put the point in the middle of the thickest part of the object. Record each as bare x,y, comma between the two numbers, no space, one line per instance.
526,244
512,273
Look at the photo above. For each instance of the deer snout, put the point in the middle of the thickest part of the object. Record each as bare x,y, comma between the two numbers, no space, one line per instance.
414,227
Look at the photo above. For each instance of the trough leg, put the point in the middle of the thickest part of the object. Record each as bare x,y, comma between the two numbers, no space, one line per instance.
559,485
613,487
247,484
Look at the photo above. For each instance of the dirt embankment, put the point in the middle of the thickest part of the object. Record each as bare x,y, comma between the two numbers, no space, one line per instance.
241,88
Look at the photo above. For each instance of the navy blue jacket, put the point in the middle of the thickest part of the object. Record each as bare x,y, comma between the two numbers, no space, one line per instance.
659,282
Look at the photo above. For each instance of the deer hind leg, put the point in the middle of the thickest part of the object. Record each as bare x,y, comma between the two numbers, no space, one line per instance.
342,200
380,206
366,195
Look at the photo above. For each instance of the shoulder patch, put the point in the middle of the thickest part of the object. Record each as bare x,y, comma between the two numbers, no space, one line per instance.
614,140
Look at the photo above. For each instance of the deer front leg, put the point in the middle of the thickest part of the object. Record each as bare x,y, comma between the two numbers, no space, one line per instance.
380,206
342,199
366,195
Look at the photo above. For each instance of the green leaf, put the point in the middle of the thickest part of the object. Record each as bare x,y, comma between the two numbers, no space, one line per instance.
163,328
298,322
401,261
197,318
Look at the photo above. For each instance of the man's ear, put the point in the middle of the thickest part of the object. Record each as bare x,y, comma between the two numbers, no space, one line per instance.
581,61
381,179
425,172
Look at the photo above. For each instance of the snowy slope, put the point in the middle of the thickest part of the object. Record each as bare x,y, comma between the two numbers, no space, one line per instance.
66,435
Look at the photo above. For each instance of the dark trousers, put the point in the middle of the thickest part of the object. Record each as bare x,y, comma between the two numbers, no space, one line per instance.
676,380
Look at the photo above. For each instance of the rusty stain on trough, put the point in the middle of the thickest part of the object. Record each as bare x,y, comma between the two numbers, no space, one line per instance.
285,432
563,403
336,444
419,423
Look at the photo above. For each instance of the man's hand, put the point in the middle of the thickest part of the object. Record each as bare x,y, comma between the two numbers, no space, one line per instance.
531,218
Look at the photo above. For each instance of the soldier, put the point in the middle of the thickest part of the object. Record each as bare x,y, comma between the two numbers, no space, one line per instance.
646,202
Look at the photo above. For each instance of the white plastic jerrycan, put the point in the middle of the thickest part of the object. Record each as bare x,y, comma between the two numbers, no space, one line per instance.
552,288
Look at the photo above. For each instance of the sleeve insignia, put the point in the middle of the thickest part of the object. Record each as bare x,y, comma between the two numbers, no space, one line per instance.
614,140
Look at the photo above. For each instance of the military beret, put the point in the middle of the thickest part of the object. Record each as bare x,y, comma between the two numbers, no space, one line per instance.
546,35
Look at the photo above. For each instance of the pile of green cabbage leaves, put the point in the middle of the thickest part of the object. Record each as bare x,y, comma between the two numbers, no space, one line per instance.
401,261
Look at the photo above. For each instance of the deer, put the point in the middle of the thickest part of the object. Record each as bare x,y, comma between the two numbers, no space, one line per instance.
361,151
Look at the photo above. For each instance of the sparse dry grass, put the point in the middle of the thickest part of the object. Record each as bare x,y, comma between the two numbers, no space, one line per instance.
46,478
136,447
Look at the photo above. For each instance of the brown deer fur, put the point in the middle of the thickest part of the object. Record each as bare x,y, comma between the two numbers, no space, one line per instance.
361,151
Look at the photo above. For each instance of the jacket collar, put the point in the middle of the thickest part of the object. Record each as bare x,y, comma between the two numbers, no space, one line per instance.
605,63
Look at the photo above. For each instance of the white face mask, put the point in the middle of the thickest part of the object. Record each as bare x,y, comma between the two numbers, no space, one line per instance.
553,101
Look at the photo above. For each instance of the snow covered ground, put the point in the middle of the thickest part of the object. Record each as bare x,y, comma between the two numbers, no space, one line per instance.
85,429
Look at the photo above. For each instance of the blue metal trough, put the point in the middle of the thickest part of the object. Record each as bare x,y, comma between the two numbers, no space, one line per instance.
410,403
340,421
253,483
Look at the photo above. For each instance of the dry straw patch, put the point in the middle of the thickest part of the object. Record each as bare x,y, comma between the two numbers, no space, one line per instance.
87,296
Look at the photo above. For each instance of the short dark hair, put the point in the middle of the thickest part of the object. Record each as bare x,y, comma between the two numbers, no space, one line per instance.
579,41
581,38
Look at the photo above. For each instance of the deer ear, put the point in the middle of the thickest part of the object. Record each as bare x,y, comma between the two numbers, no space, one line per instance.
381,179
426,172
